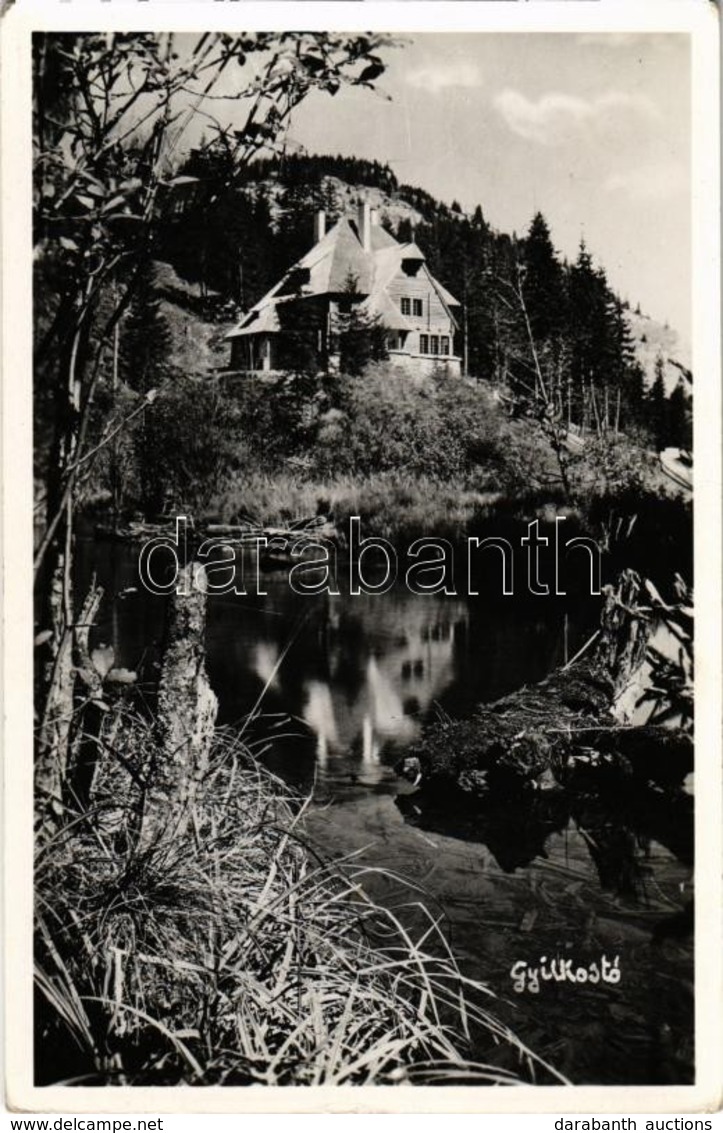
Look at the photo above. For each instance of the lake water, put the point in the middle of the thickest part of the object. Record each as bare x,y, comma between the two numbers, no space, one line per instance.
345,686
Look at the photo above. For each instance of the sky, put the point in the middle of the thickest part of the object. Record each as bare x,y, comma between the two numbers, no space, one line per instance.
591,129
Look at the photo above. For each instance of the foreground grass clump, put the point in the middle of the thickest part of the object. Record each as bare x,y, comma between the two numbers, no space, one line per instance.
228,953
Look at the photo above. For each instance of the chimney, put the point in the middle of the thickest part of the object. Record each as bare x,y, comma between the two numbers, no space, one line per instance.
363,225
319,226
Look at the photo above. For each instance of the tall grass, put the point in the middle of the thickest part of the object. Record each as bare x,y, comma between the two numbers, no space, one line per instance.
230,953
396,506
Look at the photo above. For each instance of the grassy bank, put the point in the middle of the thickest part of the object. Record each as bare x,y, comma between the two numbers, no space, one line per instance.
395,506
292,445
647,530
232,954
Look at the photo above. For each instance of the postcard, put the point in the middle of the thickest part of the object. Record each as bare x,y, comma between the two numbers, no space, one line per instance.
361,511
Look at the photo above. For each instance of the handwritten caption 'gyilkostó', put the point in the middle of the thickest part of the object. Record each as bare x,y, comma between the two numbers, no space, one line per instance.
527,978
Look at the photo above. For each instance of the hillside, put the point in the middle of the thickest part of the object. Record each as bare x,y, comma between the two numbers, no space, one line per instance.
195,324
240,241
393,209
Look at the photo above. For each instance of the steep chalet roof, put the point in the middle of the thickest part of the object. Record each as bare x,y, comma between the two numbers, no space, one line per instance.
326,269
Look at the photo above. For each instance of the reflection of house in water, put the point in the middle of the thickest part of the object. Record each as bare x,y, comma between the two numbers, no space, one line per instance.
409,665
378,684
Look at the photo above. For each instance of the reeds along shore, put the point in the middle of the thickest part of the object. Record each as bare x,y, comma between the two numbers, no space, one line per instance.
190,934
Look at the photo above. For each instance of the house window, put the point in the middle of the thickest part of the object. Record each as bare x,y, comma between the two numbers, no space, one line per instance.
444,344
413,307
434,344
424,344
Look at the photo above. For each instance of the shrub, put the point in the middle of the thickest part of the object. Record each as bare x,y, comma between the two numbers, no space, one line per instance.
390,422
611,465
185,445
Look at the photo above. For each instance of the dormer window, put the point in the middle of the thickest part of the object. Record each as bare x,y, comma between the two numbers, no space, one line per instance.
413,307
295,281
411,266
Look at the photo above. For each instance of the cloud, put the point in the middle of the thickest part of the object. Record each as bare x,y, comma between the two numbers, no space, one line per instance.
609,38
658,42
444,76
556,116
654,182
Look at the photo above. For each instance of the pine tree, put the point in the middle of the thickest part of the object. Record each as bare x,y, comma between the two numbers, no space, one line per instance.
251,252
543,282
294,226
145,337
591,335
680,418
624,378
359,338
144,346
634,402
657,407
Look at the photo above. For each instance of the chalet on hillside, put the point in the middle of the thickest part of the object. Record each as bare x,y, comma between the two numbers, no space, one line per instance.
357,264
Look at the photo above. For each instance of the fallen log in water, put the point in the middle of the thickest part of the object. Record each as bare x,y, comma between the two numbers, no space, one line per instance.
248,532
565,727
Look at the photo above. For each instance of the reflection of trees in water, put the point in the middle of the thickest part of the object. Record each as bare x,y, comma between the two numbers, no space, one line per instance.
618,832
617,854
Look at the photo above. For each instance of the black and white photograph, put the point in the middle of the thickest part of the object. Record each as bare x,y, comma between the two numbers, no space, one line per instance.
363,573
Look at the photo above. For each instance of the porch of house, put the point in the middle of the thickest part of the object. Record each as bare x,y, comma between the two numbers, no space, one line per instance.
265,355
252,354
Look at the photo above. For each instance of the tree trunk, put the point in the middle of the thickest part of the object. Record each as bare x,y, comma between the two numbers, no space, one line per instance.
53,590
89,706
69,720
186,718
